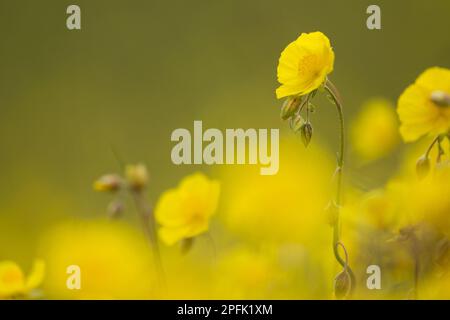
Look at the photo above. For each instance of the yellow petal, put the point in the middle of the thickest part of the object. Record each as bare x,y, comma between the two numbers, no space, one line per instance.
36,275
12,280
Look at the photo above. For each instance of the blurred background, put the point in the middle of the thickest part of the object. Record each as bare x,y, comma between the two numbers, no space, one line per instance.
74,103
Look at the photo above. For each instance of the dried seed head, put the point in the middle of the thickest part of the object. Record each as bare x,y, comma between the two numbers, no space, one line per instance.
108,182
137,176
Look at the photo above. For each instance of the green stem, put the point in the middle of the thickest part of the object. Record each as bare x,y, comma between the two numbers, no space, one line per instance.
334,93
149,226
430,147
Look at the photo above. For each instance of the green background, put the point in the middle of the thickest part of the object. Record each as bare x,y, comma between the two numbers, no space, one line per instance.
140,69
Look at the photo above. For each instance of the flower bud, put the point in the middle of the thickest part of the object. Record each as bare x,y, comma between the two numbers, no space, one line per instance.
440,98
306,132
423,166
186,245
290,107
342,285
137,176
296,123
108,182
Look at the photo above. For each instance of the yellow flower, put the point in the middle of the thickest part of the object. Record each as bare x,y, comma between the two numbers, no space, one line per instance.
244,274
426,200
115,261
304,64
374,133
424,107
286,207
184,212
13,282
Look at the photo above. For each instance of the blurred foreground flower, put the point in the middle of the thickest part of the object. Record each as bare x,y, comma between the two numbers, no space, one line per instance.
13,282
424,107
114,261
244,274
286,207
426,201
374,133
184,212
304,64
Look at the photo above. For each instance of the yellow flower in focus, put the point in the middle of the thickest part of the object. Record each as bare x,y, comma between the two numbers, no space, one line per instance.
115,261
304,64
184,212
374,134
424,107
13,282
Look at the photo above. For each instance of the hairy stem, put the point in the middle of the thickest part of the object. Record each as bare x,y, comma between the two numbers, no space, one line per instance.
334,93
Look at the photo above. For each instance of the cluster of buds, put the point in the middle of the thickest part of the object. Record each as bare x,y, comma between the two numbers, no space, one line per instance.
291,111
135,179
423,164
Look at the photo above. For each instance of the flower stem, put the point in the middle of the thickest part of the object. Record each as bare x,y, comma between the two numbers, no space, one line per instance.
430,147
334,93
149,226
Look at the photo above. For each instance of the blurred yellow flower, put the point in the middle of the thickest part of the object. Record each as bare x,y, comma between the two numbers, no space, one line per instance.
288,206
14,284
184,212
424,107
304,64
377,209
115,261
374,133
426,200
244,274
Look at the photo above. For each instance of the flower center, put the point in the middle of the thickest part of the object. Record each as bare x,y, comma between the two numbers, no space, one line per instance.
440,98
308,66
